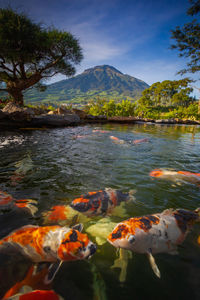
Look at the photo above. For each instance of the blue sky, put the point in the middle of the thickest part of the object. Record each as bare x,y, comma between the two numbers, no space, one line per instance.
130,35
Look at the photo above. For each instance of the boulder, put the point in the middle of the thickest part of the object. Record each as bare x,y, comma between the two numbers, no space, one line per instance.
18,113
80,113
55,120
165,121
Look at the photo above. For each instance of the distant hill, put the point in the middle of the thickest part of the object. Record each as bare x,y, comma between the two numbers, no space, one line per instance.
98,82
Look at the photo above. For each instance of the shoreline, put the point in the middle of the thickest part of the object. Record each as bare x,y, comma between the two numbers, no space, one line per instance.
15,117
56,121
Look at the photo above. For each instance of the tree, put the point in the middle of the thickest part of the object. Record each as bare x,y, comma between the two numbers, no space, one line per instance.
166,93
187,40
29,53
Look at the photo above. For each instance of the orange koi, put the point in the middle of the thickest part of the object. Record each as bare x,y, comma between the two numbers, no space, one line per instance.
100,202
50,243
9,202
60,214
117,140
157,233
100,131
140,141
32,279
176,175
39,295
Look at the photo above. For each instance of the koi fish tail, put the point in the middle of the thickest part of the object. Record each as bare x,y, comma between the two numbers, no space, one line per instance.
131,195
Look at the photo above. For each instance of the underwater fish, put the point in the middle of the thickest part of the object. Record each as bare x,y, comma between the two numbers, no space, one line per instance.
116,140
100,202
176,175
50,243
34,280
157,233
15,213
22,168
63,215
8,202
140,141
37,294
100,131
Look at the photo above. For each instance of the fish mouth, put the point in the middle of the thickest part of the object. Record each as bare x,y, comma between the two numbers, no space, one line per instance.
92,249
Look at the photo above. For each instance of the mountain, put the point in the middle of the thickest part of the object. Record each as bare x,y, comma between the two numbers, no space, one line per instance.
98,82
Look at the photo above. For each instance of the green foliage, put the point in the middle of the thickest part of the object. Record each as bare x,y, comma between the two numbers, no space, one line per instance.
30,52
110,108
170,112
187,40
166,93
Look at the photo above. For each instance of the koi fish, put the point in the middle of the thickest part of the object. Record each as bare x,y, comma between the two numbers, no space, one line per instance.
23,166
140,141
34,279
116,140
50,243
37,294
63,215
157,233
8,202
99,130
176,175
15,213
100,202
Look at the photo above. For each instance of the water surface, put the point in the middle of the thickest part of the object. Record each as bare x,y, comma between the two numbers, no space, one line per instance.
71,161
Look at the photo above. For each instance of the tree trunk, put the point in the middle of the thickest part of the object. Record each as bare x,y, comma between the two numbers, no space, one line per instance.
17,96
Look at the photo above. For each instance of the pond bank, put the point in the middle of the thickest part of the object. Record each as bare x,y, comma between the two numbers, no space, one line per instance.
14,116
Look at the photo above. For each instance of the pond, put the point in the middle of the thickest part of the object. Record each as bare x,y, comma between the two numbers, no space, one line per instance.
69,162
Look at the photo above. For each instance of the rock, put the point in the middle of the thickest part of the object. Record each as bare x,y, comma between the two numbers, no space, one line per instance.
63,111
52,112
18,113
165,121
122,119
55,120
80,113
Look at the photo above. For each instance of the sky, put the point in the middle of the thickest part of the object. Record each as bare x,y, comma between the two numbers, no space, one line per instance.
131,35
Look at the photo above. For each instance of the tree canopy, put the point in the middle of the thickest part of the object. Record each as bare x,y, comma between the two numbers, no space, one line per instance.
166,93
187,40
29,52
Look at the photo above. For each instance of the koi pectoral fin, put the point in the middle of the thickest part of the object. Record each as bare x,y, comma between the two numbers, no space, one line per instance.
153,264
53,269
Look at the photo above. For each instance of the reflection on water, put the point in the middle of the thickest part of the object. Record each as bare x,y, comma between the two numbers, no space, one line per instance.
72,161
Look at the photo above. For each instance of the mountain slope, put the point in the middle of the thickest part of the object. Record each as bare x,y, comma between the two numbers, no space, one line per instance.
100,81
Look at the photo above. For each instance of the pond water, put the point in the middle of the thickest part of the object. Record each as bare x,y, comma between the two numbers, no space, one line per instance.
71,161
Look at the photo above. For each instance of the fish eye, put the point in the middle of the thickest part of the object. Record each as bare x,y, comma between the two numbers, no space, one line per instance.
131,239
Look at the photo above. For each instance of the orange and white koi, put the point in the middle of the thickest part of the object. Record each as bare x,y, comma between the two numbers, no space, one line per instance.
37,294
33,279
8,202
50,243
100,202
116,140
176,175
157,233
63,215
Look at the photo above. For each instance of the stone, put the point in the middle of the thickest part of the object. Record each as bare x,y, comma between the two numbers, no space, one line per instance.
17,112
55,120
